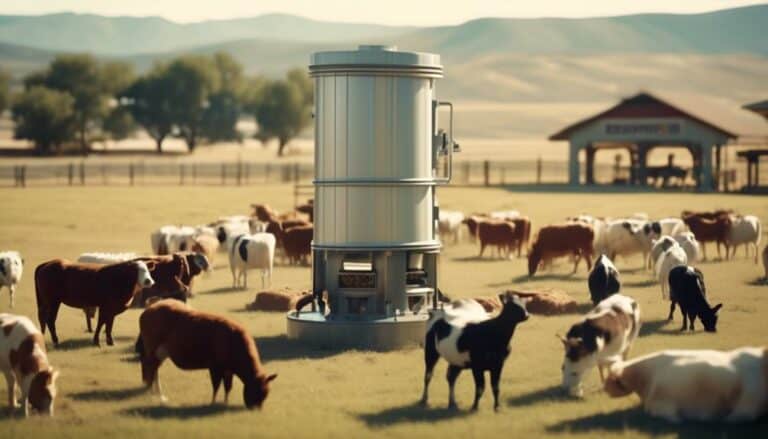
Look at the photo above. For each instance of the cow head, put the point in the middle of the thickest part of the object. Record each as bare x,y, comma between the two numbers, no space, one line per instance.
580,357
144,278
256,391
534,257
514,307
198,263
42,391
709,318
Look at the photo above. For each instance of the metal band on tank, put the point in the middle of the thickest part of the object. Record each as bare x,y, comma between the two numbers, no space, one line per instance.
377,182
424,246
376,70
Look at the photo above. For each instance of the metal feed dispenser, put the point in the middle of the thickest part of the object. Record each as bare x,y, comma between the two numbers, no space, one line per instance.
379,154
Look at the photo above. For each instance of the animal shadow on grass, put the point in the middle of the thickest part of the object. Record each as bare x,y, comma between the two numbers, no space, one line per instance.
562,277
476,258
758,282
280,347
641,284
635,420
551,394
107,395
221,290
653,327
160,412
81,343
410,413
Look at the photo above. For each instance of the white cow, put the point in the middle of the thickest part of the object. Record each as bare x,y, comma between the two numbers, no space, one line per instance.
11,269
228,231
603,337
669,259
504,214
691,246
745,230
24,362
252,252
106,258
449,225
697,385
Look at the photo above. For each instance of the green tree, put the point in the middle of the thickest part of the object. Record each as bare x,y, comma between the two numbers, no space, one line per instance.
301,79
5,90
45,117
282,113
149,100
119,123
219,122
190,80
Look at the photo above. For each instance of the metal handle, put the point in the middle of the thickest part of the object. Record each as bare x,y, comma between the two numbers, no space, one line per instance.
450,144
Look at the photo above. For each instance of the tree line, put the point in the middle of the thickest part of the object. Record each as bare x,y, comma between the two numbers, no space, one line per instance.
79,100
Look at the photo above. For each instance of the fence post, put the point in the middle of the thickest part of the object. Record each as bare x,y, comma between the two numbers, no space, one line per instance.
194,173
104,174
267,172
239,173
223,174
466,172
181,174
82,174
23,175
130,173
70,173
487,172
295,173
538,170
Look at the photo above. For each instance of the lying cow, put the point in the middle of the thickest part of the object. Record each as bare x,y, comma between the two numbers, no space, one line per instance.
110,288
697,385
604,337
11,268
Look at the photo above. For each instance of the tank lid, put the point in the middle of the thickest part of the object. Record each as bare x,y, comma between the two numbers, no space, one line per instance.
375,55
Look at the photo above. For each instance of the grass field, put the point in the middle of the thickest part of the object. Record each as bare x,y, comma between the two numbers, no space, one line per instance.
322,393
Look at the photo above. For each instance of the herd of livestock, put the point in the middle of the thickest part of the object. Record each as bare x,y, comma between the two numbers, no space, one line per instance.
463,332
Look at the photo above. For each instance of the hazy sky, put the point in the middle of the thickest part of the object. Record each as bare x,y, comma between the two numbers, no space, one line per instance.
424,12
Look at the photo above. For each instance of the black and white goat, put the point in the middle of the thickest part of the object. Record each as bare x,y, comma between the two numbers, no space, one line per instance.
604,280
686,286
602,338
466,336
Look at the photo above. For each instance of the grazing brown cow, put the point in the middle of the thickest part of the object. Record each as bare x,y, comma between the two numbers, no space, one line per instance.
472,221
710,230
197,340
110,288
297,242
500,234
562,240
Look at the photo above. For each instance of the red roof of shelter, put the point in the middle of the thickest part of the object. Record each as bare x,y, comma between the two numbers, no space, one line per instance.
642,105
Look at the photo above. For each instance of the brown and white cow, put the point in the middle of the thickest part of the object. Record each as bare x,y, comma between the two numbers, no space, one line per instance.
24,362
603,337
197,340
110,288
698,385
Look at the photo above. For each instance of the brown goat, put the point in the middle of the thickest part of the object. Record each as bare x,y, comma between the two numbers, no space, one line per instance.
500,234
562,240
197,340
710,230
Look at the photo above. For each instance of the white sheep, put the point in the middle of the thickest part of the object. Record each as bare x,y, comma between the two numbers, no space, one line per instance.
690,245
11,269
668,260
744,230
255,251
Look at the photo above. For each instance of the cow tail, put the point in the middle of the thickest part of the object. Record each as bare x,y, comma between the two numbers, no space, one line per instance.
41,306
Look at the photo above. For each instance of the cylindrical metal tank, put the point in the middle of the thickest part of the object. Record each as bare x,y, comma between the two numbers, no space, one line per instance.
374,149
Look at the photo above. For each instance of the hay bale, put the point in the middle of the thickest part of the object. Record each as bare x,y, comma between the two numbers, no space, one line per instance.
547,301
284,300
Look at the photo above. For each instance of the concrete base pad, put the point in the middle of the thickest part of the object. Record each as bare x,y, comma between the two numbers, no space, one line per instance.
384,334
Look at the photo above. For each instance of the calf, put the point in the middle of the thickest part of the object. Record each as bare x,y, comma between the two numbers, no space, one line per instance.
686,286
500,234
562,240
23,361
710,230
745,230
11,269
673,257
469,339
603,337
249,252
197,340
696,385
604,280
110,288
